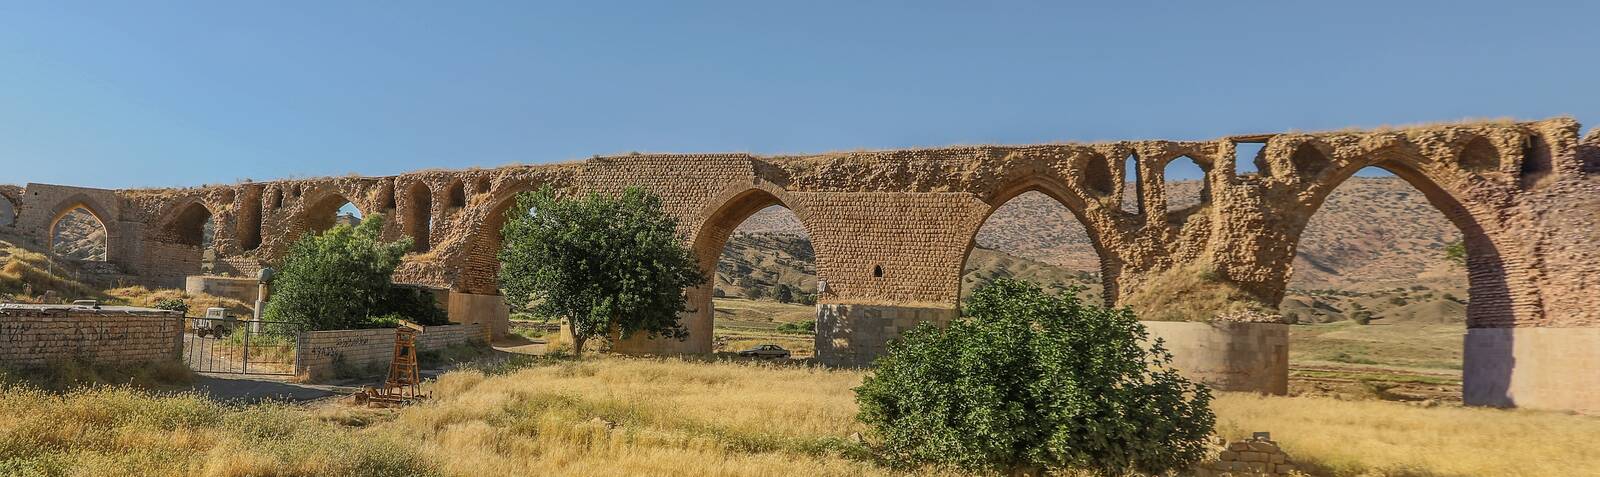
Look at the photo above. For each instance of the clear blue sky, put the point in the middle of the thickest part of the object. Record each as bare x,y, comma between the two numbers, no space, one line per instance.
125,94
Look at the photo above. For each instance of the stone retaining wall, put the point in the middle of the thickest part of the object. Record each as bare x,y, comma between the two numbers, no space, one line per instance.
1228,356
37,335
319,353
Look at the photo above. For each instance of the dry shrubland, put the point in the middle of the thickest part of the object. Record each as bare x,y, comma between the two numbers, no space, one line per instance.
623,416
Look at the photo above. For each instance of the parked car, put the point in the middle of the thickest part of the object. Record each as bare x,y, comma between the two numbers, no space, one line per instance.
766,351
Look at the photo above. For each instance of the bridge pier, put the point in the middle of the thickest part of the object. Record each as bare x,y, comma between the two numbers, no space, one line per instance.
1533,367
1248,357
853,335
471,308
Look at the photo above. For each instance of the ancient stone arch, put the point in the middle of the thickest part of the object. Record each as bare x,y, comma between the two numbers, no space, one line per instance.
81,201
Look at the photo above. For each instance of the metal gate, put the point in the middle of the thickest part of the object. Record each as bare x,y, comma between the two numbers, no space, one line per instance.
226,345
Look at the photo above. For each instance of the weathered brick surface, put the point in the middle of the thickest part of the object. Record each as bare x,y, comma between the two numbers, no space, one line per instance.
34,337
319,351
1524,194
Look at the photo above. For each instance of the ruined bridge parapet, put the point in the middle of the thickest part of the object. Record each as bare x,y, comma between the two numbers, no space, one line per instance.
891,229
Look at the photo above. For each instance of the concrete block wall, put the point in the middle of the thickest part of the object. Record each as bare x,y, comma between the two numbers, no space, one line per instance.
1228,356
855,335
319,352
39,336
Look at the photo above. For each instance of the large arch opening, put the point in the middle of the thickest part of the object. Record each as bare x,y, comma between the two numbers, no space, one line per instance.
77,233
1033,236
762,280
1381,291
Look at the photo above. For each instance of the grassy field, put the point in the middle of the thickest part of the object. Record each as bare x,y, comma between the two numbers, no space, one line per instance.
621,416
1402,361
742,324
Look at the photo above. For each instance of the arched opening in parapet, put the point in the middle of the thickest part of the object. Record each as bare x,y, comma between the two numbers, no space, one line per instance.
249,229
1186,189
329,211
1034,237
1380,292
77,233
190,233
8,211
1249,158
458,195
764,279
275,197
1132,199
419,216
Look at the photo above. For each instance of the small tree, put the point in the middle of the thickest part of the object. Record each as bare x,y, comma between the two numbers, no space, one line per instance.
1029,380
337,279
783,293
605,263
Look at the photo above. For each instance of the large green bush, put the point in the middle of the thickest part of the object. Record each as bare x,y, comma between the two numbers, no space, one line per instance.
1029,380
341,279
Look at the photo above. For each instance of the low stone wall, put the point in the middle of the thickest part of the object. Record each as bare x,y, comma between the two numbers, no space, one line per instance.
855,335
1228,356
319,353
1535,368
33,336
1248,457
242,289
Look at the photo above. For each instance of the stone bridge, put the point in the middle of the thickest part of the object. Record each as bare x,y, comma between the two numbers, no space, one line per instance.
891,230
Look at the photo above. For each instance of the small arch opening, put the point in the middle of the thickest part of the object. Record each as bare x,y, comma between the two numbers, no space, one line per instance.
275,198
1186,186
1536,162
1097,176
1479,156
458,195
419,219
1132,200
877,271
1308,161
1249,158
386,199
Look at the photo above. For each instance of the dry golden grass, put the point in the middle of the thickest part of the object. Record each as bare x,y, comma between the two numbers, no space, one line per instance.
1383,438
622,416
141,296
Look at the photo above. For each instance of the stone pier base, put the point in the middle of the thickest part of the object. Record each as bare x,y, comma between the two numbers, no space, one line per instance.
855,335
1250,357
1535,368
490,310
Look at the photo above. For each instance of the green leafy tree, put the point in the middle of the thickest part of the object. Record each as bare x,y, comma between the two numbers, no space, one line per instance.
606,263
338,279
1031,380
783,293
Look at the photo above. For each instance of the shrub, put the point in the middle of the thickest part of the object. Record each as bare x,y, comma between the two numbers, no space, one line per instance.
173,304
799,327
808,299
1029,380
1361,317
337,279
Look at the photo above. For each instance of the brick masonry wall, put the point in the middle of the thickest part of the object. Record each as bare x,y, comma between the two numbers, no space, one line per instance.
319,352
32,337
